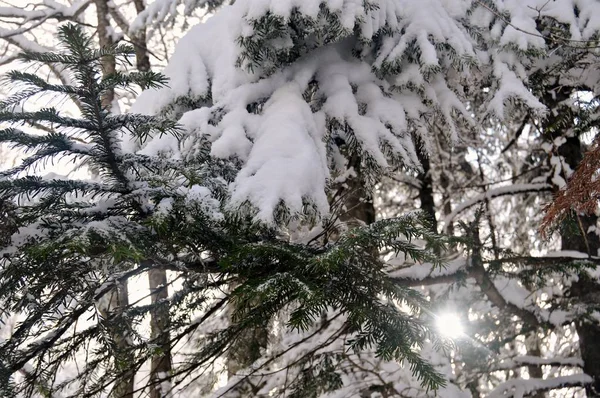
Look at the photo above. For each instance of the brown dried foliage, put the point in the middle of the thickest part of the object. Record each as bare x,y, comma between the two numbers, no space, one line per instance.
582,193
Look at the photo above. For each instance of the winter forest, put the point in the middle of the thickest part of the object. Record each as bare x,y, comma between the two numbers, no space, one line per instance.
299,198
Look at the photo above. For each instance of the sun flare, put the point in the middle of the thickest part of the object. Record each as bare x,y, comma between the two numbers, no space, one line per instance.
450,325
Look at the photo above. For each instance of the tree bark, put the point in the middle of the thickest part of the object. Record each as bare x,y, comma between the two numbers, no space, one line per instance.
244,352
117,302
160,366
109,64
576,235
119,296
140,41
426,190
535,371
161,363
358,208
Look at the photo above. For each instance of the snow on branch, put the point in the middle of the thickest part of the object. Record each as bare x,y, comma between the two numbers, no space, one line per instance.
494,193
422,272
518,388
52,10
374,74
522,301
345,99
164,12
527,360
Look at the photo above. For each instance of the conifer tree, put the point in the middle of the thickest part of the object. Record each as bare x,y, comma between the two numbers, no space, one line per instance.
71,241
306,96
515,164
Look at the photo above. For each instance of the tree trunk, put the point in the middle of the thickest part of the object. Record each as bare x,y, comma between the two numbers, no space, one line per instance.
116,302
160,366
245,351
535,371
586,291
358,208
118,297
426,190
576,235
161,363
109,64
141,47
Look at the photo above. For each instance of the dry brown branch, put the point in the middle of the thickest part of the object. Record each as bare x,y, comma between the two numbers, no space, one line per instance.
581,193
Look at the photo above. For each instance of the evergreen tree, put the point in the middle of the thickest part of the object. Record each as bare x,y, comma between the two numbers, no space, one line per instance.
293,114
307,97
71,242
532,300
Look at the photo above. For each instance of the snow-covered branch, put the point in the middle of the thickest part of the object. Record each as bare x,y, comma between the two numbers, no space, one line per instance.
495,193
527,360
518,388
46,10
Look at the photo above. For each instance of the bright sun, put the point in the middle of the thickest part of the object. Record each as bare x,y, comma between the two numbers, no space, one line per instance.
450,325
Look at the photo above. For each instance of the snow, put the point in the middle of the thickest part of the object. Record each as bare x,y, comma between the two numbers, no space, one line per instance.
378,111
278,125
290,165
53,8
518,388
288,131
492,193
25,234
165,386
557,179
167,144
163,11
510,87
514,293
525,360
422,271
356,370
164,206
568,254
421,21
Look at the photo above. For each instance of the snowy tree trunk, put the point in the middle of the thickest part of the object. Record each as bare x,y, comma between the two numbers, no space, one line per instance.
160,367
426,190
451,165
141,46
577,234
115,302
446,200
535,371
245,351
358,208
161,364
7,226
586,291
119,296
105,40
159,317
